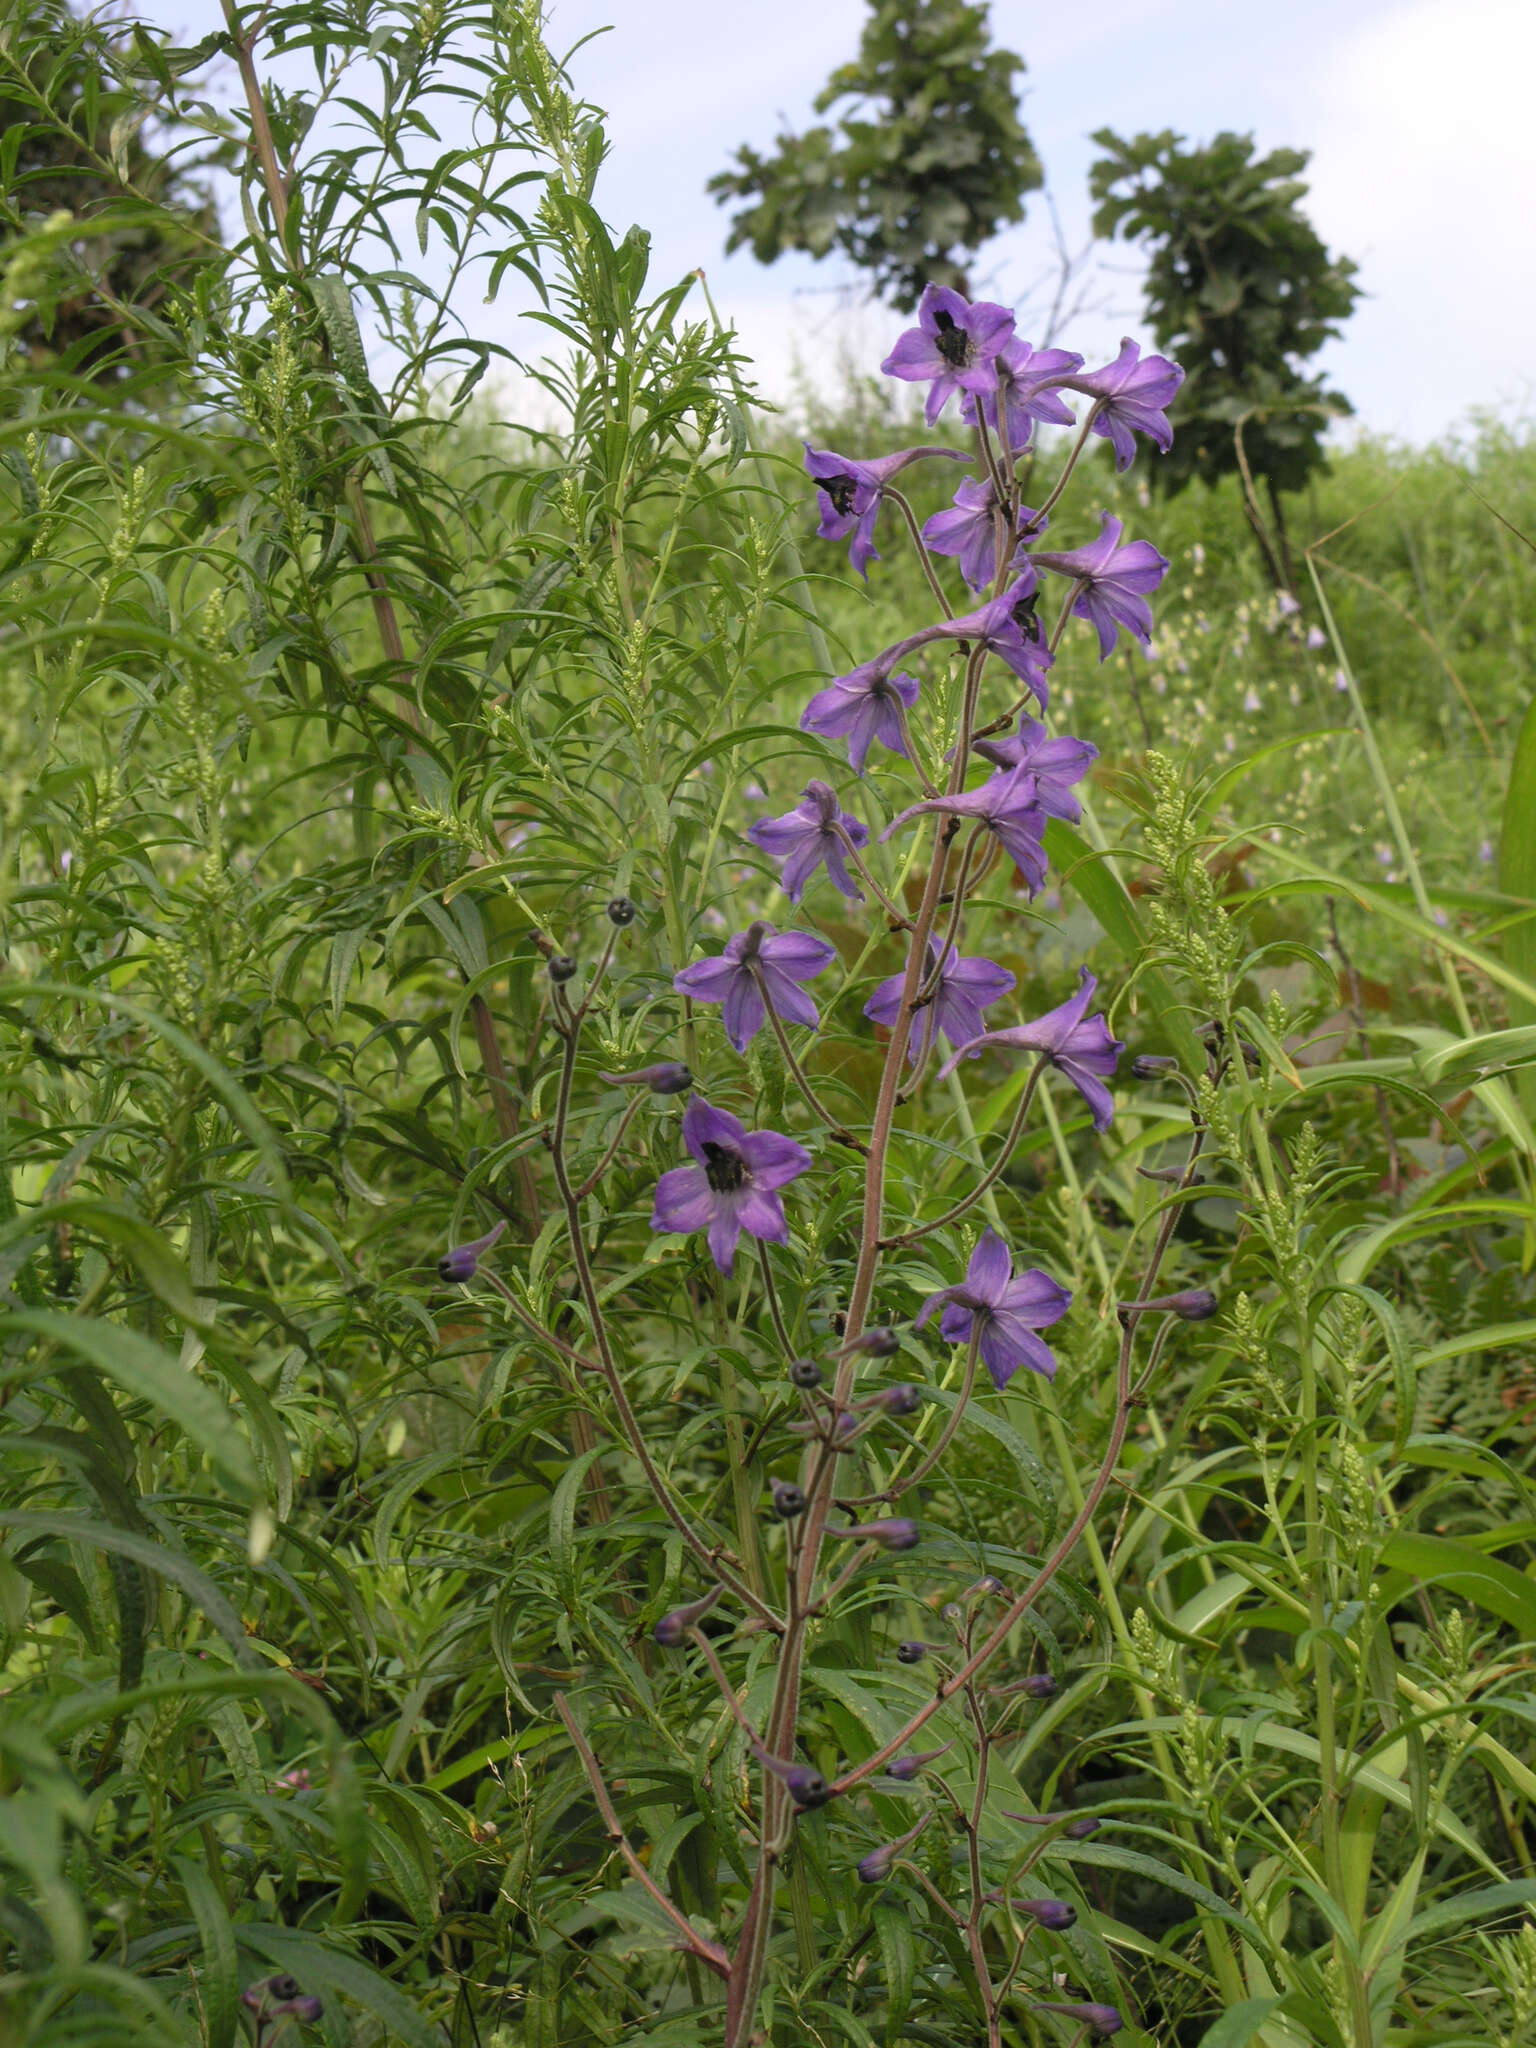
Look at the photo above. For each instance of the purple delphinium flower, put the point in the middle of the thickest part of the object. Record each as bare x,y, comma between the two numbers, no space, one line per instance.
850,495
1117,580
734,1185
756,962
1135,394
1006,627
861,707
1080,1045
965,987
1055,764
968,531
806,838
1007,804
1027,379
953,347
1006,1308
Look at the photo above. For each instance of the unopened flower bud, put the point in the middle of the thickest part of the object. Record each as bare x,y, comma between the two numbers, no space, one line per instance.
905,1768
561,967
1039,1685
901,1400
876,1866
673,1627
895,1532
1193,1305
985,1588
881,1342
805,1372
1102,2020
803,1782
460,1262
667,1077
621,911
1148,1065
788,1500
912,1653
1077,1830
1053,1913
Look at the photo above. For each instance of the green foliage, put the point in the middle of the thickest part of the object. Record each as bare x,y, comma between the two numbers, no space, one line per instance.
110,221
330,707
931,165
1240,289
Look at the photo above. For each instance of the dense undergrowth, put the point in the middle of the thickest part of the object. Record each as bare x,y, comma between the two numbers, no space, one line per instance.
331,717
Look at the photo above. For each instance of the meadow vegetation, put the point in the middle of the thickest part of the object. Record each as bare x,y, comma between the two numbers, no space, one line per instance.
335,714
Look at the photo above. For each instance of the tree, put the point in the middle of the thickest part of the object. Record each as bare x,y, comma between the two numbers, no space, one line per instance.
929,164
124,222
1242,290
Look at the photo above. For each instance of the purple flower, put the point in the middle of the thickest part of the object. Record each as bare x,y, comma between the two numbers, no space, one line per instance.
964,989
1135,396
755,963
1007,1311
1026,381
461,1261
1072,1040
733,1187
851,493
953,347
805,838
1117,579
861,707
1055,764
1007,804
968,531
1006,627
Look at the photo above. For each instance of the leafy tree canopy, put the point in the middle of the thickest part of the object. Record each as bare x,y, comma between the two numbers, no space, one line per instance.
1241,289
931,161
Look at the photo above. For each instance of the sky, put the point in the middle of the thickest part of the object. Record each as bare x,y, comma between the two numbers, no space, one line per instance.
1417,113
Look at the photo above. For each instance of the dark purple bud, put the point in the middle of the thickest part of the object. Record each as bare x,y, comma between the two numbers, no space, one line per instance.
283,1987
805,1372
1099,2019
912,1653
1077,1830
306,2009
803,1782
881,1342
894,1533
1039,1686
1194,1305
1148,1065
788,1500
984,1588
673,1627
460,1262
562,967
900,1400
1053,1913
667,1077
621,911
876,1866
905,1768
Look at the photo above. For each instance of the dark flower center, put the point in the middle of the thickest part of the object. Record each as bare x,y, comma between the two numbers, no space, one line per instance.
1024,614
952,342
725,1171
840,490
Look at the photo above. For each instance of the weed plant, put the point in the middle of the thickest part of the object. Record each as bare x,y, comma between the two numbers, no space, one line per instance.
372,1466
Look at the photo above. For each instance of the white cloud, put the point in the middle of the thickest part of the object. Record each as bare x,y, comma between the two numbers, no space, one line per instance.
1424,171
